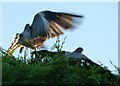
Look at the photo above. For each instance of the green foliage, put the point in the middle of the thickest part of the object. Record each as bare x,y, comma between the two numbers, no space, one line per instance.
57,45
53,69
57,71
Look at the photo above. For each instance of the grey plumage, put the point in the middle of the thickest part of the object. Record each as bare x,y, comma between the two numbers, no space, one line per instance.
76,54
45,25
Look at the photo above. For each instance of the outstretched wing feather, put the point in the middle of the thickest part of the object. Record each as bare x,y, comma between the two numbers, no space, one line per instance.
58,21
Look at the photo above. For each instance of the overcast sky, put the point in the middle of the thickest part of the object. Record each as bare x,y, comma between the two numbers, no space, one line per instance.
97,35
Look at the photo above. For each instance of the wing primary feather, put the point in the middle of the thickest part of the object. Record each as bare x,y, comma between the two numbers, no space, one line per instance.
52,32
57,28
52,26
63,19
50,13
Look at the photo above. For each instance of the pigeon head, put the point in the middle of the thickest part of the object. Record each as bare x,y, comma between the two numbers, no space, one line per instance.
27,26
79,50
26,34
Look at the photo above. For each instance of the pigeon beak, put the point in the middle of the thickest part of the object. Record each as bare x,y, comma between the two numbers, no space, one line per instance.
12,49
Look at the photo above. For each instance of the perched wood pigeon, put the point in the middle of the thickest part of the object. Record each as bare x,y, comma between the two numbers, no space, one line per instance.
45,25
76,54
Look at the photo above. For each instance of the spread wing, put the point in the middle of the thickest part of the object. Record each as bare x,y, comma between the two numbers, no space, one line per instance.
58,21
48,23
